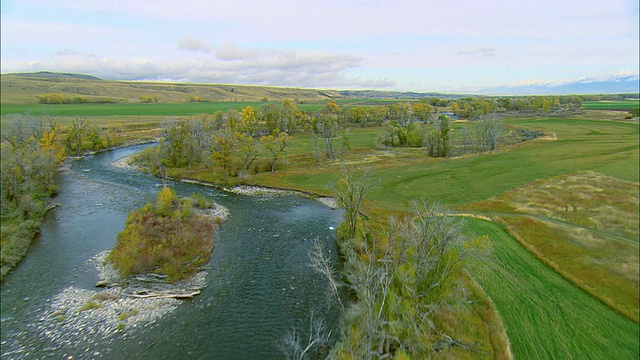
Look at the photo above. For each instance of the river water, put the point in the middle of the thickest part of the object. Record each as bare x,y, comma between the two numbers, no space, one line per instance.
259,287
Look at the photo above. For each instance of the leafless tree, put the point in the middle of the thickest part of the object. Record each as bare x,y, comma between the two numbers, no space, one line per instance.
295,347
487,132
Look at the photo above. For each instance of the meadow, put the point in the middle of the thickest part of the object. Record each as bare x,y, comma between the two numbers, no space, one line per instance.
135,109
626,105
546,316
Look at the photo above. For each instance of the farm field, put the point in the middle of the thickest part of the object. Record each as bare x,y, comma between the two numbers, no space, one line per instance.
546,316
595,246
134,109
626,105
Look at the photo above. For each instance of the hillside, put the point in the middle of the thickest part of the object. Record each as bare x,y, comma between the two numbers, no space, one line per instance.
24,88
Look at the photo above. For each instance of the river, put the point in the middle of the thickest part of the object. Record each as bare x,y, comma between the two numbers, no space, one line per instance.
259,287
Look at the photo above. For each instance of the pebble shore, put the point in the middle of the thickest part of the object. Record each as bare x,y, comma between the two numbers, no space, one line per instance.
102,313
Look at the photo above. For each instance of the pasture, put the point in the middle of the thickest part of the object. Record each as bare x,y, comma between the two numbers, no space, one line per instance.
546,316
622,105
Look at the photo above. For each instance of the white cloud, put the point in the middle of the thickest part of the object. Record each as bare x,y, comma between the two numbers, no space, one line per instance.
276,67
190,43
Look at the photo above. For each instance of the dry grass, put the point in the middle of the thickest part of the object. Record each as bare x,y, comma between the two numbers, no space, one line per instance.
584,198
601,266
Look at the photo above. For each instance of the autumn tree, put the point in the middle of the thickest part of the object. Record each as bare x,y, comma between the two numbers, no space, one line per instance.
275,145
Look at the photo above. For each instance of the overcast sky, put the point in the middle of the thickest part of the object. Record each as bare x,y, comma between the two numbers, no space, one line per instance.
450,46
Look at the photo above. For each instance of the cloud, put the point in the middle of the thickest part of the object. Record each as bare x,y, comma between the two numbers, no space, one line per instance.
230,52
276,67
190,43
483,51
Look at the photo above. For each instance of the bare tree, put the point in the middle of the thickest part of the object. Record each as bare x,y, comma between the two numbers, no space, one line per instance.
350,193
321,263
487,133
294,347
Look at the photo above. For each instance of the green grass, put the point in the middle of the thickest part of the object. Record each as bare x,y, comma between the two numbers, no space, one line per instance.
625,105
609,148
546,316
134,109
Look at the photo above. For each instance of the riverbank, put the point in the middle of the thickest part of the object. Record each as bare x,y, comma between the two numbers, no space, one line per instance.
126,163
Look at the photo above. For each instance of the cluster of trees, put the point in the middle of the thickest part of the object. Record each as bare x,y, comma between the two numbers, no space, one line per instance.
471,108
61,99
167,237
403,276
80,137
148,99
230,142
31,152
436,136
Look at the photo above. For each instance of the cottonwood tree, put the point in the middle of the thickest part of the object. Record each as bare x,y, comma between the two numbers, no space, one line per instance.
487,132
295,347
350,193
275,145
326,127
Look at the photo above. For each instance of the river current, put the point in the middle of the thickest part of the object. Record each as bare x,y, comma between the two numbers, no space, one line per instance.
259,288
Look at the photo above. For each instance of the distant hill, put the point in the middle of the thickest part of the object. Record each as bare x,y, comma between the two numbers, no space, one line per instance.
53,75
23,88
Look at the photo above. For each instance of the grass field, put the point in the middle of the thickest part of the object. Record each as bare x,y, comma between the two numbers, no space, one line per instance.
546,316
625,105
609,148
136,109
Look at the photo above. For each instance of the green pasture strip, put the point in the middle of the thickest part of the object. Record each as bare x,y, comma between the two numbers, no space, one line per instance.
91,110
546,316
611,105
161,109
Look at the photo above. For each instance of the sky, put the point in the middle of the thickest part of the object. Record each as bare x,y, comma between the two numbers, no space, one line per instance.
424,46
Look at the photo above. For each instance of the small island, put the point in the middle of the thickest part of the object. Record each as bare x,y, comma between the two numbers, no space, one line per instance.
170,239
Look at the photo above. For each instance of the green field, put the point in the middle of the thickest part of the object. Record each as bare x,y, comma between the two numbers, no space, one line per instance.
626,105
546,316
610,148
135,109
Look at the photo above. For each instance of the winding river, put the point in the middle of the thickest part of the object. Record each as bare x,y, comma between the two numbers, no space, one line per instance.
259,287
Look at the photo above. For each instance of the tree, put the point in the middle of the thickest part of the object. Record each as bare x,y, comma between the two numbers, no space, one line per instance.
326,127
487,132
75,135
294,347
166,201
350,193
275,145
249,120
402,280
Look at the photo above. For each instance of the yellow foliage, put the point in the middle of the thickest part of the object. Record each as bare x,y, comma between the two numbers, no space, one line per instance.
166,200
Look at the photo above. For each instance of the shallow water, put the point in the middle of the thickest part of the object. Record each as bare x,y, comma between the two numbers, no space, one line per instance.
259,286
